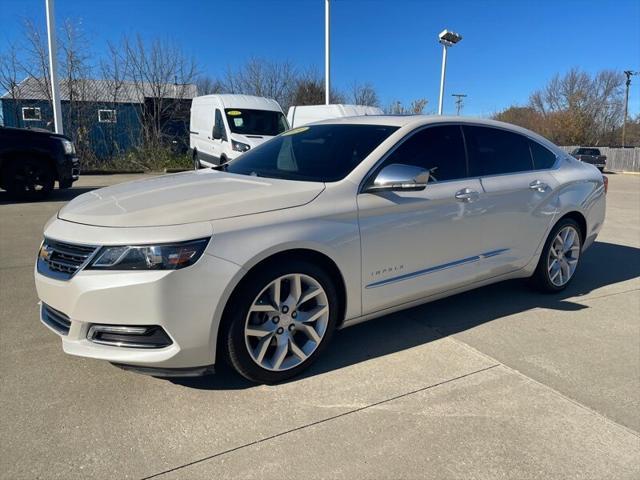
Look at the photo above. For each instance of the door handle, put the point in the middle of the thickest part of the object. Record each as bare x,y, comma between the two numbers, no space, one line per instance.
538,186
466,195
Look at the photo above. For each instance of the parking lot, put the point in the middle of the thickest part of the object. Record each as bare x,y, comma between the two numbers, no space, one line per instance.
498,382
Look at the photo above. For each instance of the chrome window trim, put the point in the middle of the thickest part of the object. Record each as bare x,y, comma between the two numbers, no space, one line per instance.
363,183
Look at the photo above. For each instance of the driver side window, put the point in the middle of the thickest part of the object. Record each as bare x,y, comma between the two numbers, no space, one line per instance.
219,125
437,149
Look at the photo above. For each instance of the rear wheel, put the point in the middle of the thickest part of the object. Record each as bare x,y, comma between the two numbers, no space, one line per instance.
560,256
29,179
279,321
196,162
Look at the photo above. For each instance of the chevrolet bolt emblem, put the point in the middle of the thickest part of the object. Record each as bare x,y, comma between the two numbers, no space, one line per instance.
45,252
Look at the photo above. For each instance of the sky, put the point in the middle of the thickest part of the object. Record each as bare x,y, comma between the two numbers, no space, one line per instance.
509,48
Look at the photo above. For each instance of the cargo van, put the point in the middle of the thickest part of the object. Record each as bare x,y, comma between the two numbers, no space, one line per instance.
224,126
305,114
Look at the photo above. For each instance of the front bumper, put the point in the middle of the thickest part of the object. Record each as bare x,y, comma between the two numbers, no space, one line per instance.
185,303
68,171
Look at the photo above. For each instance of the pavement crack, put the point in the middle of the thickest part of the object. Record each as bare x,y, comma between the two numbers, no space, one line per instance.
318,422
539,383
606,295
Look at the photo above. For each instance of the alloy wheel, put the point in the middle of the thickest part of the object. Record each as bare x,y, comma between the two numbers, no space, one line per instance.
564,253
286,322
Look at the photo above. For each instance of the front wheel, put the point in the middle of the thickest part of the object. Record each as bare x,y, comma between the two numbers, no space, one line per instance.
280,320
560,256
196,162
29,179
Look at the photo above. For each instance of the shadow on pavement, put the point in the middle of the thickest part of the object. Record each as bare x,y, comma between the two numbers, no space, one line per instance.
55,196
603,264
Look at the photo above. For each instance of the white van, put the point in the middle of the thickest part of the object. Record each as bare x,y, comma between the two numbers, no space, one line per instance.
224,126
305,114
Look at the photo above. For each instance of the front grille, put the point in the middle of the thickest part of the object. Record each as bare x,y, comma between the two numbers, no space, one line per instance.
61,260
54,319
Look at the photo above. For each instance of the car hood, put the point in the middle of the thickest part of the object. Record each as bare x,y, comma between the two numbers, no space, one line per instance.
186,198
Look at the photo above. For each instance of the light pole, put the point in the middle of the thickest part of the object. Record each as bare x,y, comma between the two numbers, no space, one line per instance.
447,39
53,67
327,45
628,73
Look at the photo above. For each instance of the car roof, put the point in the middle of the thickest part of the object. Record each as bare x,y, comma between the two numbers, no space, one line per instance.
241,101
415,121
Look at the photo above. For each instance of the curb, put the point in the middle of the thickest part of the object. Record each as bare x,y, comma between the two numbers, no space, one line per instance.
110,172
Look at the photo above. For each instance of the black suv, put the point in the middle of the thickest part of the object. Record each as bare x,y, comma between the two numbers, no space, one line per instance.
32,160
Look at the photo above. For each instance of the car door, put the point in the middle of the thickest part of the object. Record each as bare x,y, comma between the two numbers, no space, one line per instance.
216,144
415,243
518,195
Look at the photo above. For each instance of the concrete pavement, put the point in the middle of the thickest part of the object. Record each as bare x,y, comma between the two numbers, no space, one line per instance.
499,382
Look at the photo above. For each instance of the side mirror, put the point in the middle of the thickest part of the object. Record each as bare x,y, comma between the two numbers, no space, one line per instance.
216,133
399,177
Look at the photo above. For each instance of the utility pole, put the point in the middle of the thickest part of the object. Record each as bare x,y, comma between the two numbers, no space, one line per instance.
628,73
53,67
327,50
459,101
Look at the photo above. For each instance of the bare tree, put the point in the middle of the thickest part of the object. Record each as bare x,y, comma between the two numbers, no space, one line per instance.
263,78
364,94
207,85
80,95
416,107
114,67
36,61
309,90
10,75
579,109
162,77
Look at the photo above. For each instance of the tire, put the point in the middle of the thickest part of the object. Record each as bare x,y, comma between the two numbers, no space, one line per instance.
196,162
601,169
268,345
29,179
550,276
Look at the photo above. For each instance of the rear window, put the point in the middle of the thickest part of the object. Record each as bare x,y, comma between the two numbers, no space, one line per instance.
256,122
493,151
588,151
319,153
542,157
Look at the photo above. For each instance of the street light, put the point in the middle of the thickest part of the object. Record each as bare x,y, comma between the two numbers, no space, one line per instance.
628,74
327,52
53,67
447,39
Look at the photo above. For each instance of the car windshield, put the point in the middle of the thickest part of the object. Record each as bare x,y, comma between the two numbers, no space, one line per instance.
256,122
320,153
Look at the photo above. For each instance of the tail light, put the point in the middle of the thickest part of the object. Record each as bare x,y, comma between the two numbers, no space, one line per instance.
605,179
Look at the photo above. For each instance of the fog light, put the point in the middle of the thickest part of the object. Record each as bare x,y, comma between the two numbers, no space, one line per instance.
152,336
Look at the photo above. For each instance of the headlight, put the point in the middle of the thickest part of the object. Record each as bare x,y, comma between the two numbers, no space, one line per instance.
69,149
149,257
239,146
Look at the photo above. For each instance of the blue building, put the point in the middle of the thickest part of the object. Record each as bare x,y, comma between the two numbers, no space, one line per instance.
104,118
